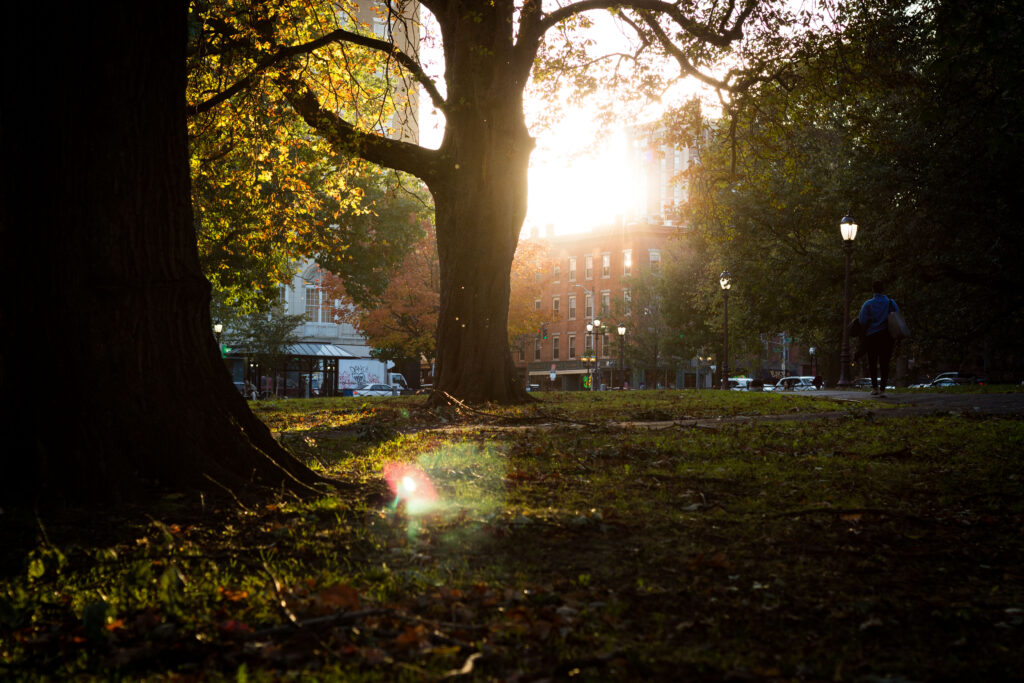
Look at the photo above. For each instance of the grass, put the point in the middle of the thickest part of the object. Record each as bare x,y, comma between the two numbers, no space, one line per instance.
555,541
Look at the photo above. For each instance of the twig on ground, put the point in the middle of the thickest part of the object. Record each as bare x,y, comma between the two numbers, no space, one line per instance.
230,492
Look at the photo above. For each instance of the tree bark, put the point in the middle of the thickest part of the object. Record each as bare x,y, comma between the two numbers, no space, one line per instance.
480,197
107,348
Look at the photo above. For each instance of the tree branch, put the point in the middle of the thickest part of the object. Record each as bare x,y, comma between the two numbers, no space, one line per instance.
716,38
337,36
346,139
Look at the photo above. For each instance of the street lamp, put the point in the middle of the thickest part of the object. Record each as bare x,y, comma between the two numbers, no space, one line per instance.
595,328
725,280
814,368
622,342
218,328
848,229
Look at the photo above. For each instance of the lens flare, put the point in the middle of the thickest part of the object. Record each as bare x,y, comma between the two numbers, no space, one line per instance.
410,486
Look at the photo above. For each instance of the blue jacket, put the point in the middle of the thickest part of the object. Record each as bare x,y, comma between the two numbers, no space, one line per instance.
874,314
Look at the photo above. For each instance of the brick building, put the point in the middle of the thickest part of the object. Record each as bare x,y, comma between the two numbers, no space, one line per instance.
588,280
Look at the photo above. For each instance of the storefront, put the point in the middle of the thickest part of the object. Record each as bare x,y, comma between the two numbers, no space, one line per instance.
308,370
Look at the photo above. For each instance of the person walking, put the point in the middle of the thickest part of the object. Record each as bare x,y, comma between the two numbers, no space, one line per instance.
874,319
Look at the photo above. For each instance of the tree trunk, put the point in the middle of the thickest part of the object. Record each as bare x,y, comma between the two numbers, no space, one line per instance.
107,346
480,197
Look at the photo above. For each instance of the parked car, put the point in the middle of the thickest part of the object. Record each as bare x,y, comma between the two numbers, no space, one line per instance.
948,379
940,383
794,383
376,390
533,387
744,384
865,383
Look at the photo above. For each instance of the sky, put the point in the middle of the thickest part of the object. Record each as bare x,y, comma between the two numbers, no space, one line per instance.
578,172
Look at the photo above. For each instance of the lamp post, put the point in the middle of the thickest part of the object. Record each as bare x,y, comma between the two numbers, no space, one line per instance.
848,229
814,367
218,328
725,280
595,328
622,343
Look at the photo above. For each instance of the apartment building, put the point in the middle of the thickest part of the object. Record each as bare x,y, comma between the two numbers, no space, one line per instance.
588,281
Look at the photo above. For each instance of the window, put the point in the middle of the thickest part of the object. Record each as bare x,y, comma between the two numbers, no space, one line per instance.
556,273
588,349
588,311
536,349
572,269
555,303
536,304
606,265
655,259
522,353
554,347
572,307
627,302
627,261
316,312
606,345
572,346
588,267
606,303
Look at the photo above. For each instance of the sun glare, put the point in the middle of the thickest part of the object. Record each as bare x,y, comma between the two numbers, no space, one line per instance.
576,191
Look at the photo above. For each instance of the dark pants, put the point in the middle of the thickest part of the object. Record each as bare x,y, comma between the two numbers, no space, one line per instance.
879,347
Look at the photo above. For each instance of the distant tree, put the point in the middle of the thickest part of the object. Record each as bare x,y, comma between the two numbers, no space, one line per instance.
400,324
893,115
529,276
266,338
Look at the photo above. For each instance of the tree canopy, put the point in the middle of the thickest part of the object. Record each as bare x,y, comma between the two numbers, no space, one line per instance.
903,115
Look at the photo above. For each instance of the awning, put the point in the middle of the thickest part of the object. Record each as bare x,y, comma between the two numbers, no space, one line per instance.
319,351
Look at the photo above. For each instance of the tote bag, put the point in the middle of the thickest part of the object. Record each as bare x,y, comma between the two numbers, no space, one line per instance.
897,325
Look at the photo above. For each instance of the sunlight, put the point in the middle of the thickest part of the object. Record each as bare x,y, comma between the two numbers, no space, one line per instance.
574,189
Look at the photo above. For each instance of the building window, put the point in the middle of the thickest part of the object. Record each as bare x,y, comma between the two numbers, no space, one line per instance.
627,302
572,346
588,342
606,265
536,349
627,261
588,267
554,347
556,274
655,259
606,345
572,307
555,303
572,269
536,304
316,312
588,311
522,353
606,302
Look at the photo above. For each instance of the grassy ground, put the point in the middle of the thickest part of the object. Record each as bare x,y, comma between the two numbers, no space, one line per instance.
565,539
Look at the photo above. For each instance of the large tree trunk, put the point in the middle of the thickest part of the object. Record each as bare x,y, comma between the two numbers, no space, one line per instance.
107,344
480,200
